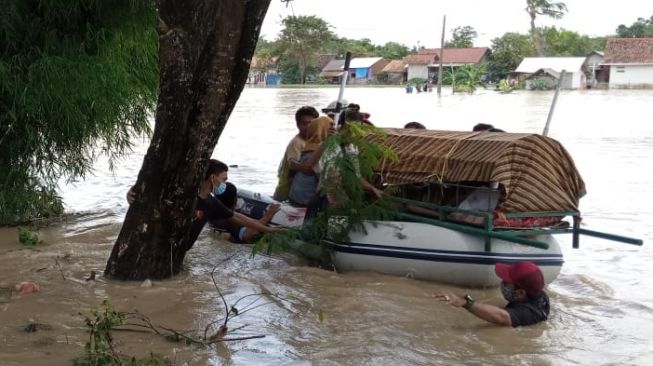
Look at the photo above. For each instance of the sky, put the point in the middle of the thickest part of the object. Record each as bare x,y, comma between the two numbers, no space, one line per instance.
419,22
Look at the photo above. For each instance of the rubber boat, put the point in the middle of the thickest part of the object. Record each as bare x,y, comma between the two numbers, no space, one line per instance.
523,185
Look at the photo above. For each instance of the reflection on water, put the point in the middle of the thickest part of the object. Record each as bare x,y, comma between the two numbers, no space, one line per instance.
602,303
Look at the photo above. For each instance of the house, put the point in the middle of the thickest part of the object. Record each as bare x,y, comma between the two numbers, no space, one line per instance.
263,71
425,63
332,71
630,61
548,77
597,73
362,70
394,72
573,66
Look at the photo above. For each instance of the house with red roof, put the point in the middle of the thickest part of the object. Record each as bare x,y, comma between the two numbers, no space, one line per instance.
630,61
425,63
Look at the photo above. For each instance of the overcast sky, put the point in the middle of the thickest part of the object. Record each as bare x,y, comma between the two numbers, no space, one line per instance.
414,22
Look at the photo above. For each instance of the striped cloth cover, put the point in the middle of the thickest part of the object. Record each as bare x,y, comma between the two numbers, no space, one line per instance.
536,172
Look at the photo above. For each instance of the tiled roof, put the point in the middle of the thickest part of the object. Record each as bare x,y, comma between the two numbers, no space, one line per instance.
395,66
334,65
450,56
419,59
629,51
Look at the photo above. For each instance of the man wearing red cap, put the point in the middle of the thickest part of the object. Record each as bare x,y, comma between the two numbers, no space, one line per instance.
522,286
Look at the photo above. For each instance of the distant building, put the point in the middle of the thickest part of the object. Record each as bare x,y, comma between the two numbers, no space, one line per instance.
425,63
552,67
361,70
630,61
332,71
263,71
395,72
597,73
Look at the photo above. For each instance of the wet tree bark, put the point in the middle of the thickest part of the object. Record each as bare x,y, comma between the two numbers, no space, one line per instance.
205,49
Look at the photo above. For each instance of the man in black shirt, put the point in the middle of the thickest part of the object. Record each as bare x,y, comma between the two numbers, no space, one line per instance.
209,208
522,286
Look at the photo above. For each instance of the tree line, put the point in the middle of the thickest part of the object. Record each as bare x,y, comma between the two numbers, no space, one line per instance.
303,39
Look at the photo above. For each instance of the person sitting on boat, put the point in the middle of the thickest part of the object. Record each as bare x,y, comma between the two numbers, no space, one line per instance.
415,125
522,286
208,207
304,185
486,127
240,233
290,162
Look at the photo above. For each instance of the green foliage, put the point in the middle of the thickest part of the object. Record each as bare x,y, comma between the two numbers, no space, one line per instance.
74,76
392,51
463,37
505,87
416,81
552,9
28,237
541,84
301,39
561,42
465,78
99,350
642,28
507,52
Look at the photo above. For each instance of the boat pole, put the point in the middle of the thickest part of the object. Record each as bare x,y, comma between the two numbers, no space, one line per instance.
343,83
553,104
444,21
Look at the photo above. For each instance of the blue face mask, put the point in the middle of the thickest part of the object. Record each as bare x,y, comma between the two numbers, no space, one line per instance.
219,189
506,292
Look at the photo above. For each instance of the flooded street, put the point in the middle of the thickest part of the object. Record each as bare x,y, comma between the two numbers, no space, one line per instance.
601,304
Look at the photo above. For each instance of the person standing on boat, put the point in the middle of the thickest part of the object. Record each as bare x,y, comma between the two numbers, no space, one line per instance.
303,188
522,286
290,161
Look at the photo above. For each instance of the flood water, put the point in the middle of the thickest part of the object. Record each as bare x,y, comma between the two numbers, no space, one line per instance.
602,302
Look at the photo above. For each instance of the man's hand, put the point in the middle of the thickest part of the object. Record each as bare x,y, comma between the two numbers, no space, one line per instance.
450,298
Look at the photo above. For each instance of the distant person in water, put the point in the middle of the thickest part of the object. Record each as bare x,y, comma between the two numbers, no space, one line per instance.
522,285
415,125
486,127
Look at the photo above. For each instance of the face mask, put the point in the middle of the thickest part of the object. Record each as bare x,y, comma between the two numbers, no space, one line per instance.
506,292
219,189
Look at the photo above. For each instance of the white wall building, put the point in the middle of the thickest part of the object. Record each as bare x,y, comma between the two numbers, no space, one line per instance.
630,61
573,66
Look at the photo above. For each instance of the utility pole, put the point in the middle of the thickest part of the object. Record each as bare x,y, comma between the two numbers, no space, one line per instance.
444,21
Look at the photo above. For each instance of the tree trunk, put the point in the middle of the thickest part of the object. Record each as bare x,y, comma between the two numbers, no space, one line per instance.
535,37
205,49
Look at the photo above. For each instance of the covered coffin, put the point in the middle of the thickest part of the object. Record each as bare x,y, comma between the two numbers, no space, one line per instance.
535,172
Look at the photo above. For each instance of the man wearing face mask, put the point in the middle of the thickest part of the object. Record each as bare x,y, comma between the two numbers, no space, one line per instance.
208,207
522,286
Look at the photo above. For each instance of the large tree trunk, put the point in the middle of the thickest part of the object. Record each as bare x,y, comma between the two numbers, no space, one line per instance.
205,48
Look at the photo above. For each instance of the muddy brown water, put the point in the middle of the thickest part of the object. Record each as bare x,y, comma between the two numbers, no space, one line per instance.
602,302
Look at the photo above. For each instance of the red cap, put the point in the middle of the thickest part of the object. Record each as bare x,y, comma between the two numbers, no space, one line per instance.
524,275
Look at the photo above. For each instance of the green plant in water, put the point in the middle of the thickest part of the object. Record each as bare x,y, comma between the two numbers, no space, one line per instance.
541,84
99,350
505,87
28,237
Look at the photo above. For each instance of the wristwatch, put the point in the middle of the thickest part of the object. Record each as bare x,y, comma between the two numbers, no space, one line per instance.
469,301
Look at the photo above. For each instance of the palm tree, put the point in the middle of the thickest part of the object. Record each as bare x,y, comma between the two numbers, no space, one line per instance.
555,10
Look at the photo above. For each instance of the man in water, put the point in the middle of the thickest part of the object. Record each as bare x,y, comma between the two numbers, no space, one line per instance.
208,207
290,162
522,286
